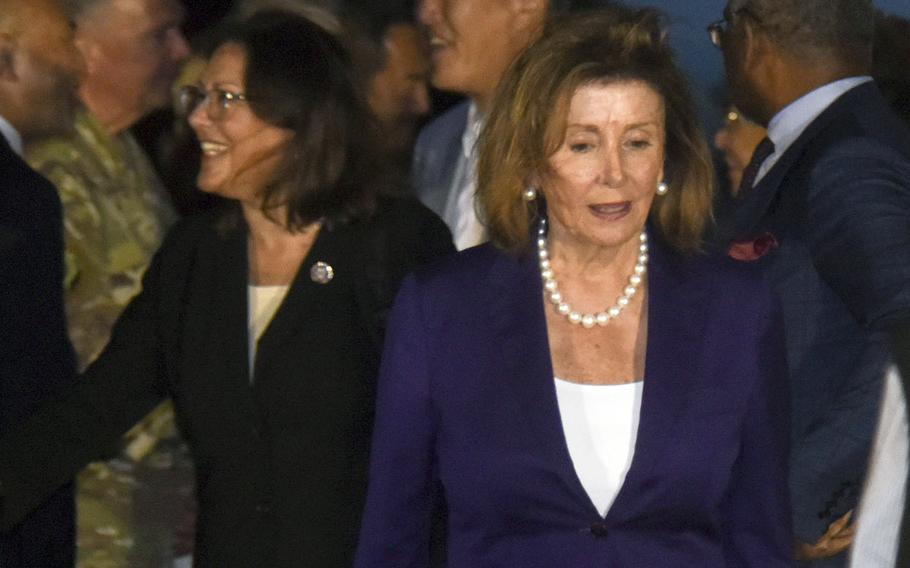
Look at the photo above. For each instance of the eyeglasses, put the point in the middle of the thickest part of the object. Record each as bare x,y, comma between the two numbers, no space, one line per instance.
191,97
717,30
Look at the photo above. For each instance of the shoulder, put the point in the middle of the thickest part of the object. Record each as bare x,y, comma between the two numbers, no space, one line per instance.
67,154
405,218
468,272
737,288
449,124
858,126
191,231
25,192
397,210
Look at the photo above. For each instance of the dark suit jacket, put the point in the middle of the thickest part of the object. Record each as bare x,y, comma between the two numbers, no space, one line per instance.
467,399
280,464
436,156
838,204
36,358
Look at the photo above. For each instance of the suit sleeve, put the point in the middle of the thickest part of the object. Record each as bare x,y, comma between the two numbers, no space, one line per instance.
858,218
397,522
83,423
756,510
858,233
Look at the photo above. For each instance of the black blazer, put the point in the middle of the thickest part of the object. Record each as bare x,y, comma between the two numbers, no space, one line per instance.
36,358
281,463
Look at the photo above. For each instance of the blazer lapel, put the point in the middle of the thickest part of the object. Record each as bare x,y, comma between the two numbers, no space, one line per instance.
519,326
336,248
751,209
677,316
231,327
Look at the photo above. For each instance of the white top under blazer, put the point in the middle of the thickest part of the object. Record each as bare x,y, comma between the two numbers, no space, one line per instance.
600,423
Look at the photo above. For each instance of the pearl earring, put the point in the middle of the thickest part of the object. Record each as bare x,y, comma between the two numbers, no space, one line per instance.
530,194
662,188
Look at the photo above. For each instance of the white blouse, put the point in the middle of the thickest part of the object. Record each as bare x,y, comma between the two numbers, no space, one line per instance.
262,303
600,423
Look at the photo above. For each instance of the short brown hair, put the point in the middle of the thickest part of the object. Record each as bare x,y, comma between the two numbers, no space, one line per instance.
526,124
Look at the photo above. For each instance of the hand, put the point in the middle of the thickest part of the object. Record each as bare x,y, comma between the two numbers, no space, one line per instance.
836,539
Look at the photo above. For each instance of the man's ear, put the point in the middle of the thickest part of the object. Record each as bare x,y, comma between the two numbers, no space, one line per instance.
7,56
756,45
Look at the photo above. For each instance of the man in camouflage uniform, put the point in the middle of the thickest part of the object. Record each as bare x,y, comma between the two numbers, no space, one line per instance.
116,213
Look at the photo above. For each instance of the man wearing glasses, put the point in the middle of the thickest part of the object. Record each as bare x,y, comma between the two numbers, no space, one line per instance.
830,190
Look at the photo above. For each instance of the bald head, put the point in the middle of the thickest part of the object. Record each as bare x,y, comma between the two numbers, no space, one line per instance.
39,68
133,50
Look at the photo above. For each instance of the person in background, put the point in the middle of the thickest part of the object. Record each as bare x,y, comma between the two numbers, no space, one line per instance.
39,71
882,506
588,389
116,213
472,43
262,320
826,216
736,139
324,13
395,64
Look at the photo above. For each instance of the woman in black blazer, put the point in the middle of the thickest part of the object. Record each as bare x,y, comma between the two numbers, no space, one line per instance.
262,320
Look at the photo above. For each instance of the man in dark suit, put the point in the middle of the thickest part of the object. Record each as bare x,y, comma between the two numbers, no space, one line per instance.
826,211
39,67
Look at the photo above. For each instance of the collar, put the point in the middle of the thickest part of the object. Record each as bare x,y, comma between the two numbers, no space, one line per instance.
472,130
13,138
788,124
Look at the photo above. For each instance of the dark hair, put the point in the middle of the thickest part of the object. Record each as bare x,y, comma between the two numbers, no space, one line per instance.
365,32
814,29
299,77
527,121
891,61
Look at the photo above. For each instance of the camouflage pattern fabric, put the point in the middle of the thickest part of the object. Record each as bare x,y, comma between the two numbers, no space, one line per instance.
116,213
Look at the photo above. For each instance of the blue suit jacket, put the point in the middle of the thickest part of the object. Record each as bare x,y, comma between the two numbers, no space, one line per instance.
838,204
436,156
467,402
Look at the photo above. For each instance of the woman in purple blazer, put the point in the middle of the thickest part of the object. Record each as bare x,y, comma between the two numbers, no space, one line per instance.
588,389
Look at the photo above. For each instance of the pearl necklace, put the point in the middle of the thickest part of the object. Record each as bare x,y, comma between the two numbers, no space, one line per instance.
563,307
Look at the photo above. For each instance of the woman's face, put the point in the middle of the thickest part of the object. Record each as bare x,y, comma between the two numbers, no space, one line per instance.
604,175
240,151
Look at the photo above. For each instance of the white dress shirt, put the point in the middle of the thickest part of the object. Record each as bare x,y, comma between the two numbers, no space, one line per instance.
461,209
880,509
789,124
12,136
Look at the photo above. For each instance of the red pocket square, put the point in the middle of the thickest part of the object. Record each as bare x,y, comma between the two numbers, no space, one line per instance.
752,249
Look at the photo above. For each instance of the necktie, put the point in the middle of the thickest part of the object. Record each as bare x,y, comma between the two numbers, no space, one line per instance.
764,149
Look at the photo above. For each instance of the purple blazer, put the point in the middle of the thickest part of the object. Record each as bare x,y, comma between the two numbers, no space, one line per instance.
467,409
